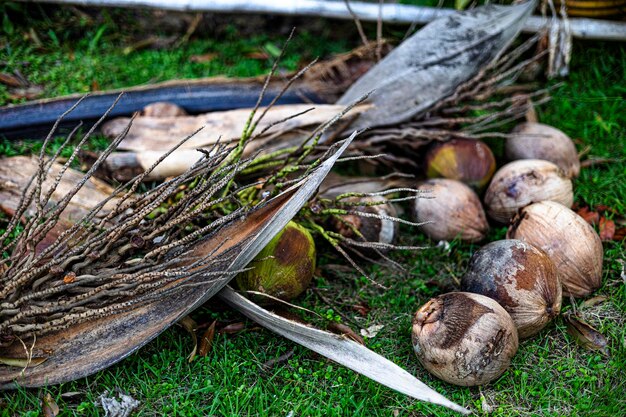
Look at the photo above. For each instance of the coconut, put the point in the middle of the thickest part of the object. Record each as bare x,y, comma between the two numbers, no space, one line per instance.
466,160
538,141
285,267
571,243
380,229
526,181
451,209
521,278
463,338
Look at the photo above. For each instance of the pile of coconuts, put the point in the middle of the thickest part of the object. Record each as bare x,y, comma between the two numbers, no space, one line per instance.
513,287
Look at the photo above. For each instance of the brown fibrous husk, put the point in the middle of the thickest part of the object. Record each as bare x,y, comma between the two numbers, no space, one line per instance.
521,278
572,244
463,338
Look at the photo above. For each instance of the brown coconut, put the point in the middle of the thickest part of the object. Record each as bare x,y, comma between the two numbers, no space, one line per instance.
519,276
572,244
526,181
463,338
452,209
538,141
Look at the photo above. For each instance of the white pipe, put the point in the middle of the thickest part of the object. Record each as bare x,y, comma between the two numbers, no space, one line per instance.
392,13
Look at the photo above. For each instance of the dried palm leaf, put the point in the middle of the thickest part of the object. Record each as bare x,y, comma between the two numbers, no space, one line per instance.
431,64
127,297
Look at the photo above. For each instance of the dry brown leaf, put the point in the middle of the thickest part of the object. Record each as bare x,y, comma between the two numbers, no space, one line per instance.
620,234
11,80
585,335
605,209
233,328
190,325
49,406
607,229
206,343
591,217
362,309
257,55
203,58
594,301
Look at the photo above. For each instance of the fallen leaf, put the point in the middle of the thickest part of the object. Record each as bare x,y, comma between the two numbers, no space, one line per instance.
203,58
620,234
233,328
362,309
49,406
591,217
22,362
607,229
594,301
440,63
257,55
11,80
346,331
207,340
585,335
190,325
605,208
372,331
72,395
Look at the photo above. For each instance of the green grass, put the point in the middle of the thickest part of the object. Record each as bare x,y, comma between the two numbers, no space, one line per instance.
549,376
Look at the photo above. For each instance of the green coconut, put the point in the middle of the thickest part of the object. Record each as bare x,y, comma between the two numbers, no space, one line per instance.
285,267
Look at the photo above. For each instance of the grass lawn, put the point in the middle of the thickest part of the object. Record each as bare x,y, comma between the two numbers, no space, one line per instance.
550,375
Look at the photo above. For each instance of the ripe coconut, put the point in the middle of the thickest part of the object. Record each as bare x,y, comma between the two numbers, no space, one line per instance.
380,229
538,141
571,243
522,182
452,209
519,276
463,338
285,267
466,160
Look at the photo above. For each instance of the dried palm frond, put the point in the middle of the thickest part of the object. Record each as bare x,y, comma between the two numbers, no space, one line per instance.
477,109
131,264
